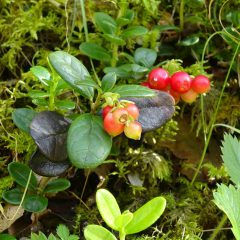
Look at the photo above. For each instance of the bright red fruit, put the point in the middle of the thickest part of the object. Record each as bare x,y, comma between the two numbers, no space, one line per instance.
145,84
132,110
174,94
106,110
120,115
133,130
190,96
158,78
201,84
111,126
180,82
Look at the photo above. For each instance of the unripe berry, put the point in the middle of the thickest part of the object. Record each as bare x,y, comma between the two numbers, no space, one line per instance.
132,110
190,96
120,115
133,130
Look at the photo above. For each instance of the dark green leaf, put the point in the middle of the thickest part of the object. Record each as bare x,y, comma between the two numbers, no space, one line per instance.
134,31
35,203
133,91
65,104
167,28
5,236
71,70
57,185
49,131
189,41
114,39
20,173
126,19
38,94
95,232
88,144
145,57
87,82
42,74
22,117
95,51
108,81
13,196
145,216
105,23
44,167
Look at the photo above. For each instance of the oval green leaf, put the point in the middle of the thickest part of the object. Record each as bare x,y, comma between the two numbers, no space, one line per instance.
95,51
37,94
95,232
133,91
105,22
20,173
134,31
109,81
57,185
145,216
65,104
88,144
189,41
124,219
114,39
108,208
22,118
35,203
42,74
71,70
145,57
13,196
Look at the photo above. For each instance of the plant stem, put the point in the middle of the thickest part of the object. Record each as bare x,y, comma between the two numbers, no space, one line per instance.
214,117
220,225
122,236
181,14
114,55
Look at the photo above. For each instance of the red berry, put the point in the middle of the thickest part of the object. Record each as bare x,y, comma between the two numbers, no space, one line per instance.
180,82
145,84
158,78
120,115
132,110
174,94
133,130
190,96
106,110
201,84
111,126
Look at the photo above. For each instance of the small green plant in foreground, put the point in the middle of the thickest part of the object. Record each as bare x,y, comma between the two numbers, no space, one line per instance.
126,222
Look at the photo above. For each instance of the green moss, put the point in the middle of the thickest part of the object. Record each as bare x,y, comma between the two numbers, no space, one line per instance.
6,183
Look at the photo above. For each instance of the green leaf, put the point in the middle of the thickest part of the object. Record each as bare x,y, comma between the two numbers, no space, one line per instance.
63,232
108,207
189,41
42,74
34,236
73,237
65,104
40,102
114,39
145,216
109,81
87,82
95,51
126,19
71,70
123,220
88,144
5,236
133,91
167,28
57,185
145,57
105,23
35,203
231,157
37,94
20,173
95,232
52,237
134,31
227,199
13,196
22,118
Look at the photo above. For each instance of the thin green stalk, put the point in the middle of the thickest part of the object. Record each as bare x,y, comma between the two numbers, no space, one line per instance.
122,236
214,117
203,119
219,227
181,14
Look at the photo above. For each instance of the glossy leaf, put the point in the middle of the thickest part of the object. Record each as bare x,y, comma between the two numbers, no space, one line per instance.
88,144
65,104
38,94
109,81
189,41
42,74
13,196
133,91
44,167
114,39
57,185
146,215
145,56
123,220
88,82
95,51
134,31
35,203
49,131
20,173
22,118
71,70
95,232
108,208
105,22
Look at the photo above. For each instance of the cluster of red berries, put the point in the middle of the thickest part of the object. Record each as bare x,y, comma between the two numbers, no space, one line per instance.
180,85
123,118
